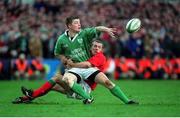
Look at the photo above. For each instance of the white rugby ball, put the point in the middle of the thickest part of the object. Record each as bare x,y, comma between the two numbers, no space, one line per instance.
133,25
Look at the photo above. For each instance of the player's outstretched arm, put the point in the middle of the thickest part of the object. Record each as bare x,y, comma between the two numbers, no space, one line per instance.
110,31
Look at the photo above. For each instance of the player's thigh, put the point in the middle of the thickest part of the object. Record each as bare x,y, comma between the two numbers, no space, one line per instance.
102,79
58,79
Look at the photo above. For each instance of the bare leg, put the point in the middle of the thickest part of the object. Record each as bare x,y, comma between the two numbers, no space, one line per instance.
115,90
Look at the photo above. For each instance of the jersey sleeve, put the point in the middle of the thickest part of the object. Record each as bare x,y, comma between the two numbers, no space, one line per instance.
92,33
58,47
97,60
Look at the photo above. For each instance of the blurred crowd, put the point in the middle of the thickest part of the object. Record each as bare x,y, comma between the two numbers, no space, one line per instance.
33,28
144,68
22,68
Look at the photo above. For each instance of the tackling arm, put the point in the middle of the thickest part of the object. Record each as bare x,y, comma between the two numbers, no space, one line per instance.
69,63
85,64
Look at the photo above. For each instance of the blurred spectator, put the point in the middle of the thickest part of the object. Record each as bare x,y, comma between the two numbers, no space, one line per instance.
22,45
135,45
175,62
39,4
124,69
20,68
131,64
157,67
35,45
37,69
144,68
168,68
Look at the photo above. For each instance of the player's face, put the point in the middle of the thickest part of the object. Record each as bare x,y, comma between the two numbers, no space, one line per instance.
96,48
75,26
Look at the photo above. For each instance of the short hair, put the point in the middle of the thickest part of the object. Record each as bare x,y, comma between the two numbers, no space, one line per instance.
99,41
70,19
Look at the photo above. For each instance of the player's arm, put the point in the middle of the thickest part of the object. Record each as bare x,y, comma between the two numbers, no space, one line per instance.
94,61
110,31
85,64
58,51
62,58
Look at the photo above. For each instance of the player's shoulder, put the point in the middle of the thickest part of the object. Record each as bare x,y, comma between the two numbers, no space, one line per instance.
62,36
87,29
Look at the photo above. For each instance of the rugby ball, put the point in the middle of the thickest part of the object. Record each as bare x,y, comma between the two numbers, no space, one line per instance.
133,25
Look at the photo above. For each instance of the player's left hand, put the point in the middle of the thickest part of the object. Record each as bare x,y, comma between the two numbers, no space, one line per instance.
111,32
69,63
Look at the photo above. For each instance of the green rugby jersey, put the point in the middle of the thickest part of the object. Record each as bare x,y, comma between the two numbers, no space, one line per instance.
78,48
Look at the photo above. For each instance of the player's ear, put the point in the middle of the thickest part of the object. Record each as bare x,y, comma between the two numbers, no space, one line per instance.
69,26
92,44
103,50
91,48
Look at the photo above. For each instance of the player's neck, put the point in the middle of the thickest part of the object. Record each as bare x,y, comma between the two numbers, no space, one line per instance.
71,33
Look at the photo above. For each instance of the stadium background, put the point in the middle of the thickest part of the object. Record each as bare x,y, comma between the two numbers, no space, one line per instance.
30,28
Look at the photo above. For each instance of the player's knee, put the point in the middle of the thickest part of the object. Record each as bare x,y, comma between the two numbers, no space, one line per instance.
54,78
68,81
109,84
57,77
103,80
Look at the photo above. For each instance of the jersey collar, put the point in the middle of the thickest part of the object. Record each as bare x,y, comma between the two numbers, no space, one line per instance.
66,33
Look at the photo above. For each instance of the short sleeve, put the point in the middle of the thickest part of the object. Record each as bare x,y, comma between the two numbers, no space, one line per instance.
58,48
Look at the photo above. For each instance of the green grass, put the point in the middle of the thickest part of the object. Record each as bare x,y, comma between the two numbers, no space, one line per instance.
157,98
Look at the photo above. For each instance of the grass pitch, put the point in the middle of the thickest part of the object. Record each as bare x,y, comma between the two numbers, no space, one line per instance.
157,98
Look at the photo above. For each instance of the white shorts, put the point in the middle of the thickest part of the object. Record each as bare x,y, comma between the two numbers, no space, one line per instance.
84,73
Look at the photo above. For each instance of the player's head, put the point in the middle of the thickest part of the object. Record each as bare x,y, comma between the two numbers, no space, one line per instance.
97,46
21,56
73,23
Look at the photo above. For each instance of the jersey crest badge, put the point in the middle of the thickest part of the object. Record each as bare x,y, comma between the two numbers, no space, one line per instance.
80,40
